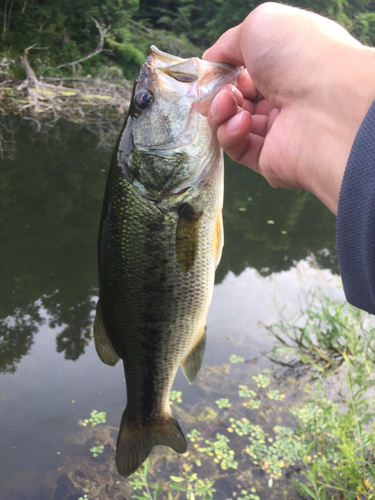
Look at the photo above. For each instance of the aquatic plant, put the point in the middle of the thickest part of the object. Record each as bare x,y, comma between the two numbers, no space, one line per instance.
328,448
96,418
189,483
96,450
236,359
336,439
175,396
324,331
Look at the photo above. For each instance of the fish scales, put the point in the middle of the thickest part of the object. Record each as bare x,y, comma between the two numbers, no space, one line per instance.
160,241
147,260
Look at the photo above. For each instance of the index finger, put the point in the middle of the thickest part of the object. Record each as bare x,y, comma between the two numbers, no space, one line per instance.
247,88
227,48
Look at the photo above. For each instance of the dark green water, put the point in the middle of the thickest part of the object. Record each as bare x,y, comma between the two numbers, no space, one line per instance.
51,189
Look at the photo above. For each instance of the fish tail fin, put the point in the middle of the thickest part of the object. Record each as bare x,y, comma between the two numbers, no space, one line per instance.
134,443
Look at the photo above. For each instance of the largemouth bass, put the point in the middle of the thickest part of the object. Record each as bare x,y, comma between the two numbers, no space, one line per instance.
160,241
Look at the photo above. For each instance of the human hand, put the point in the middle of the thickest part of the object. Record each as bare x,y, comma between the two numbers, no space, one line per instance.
294,113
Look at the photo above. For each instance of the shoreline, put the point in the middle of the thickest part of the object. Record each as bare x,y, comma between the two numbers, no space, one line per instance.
71,98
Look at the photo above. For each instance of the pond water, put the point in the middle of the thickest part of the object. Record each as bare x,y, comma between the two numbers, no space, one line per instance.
277,243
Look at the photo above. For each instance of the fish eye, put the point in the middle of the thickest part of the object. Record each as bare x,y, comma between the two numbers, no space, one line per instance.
144,98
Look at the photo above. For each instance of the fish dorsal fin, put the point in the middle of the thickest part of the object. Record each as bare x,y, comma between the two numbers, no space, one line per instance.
187,236
218,239
103,344
135,441
192,363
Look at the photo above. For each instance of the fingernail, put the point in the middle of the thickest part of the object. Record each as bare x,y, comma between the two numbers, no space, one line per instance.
234,122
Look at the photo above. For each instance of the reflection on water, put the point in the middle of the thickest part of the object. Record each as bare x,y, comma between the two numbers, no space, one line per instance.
50,197
271,229
51,192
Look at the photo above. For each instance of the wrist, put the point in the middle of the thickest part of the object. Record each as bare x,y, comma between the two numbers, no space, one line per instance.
338,118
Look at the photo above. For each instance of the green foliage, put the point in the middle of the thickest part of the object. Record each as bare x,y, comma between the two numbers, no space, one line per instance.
193,487
96,418
251,403
336,438
175,396
270,452
324,332
249,496
276,395
63,32
331,443
223,403
245,392
236,359
261,380
96,450
189,483
337,445
220,450
364,28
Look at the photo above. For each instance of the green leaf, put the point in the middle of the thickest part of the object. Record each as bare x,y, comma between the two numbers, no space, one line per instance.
203,489
177,487
147,466
322,493
309,491
177,479
314,471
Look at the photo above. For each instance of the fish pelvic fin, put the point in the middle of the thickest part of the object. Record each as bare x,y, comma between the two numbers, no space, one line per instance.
193,361
103,344
135,442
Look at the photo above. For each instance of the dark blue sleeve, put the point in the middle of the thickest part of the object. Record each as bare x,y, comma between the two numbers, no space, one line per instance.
355,227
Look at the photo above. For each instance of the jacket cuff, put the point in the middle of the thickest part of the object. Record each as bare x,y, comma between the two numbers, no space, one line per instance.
355,227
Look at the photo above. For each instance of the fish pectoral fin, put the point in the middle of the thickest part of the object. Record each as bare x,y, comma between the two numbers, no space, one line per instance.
135,442
187,236
218,239
103,344
193,361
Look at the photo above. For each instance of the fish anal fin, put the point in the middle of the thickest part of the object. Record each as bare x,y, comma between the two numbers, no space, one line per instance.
135,441
218,239
187,236
103,344
193,361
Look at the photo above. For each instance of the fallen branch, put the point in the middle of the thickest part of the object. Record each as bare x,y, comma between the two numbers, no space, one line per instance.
79,101
98,49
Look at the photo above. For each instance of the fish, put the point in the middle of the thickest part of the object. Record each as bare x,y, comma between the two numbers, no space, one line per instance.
160,241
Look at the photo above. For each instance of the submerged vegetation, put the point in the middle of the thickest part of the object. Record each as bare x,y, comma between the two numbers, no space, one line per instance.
271,436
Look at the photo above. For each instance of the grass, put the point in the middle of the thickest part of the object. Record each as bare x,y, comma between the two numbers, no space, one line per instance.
336,439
